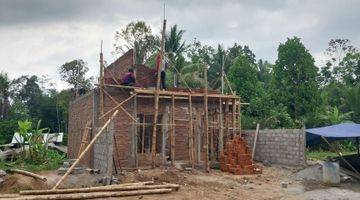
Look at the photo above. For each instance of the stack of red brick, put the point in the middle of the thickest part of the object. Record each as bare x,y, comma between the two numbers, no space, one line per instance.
236,158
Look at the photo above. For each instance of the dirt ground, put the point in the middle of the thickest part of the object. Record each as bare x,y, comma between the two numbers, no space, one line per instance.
215,185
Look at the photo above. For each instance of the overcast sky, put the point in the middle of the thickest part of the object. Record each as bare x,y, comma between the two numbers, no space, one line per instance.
37,36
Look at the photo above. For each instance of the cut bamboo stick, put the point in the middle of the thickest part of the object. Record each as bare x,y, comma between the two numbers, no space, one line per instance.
95,195
125,187
26,173
86,150
255,140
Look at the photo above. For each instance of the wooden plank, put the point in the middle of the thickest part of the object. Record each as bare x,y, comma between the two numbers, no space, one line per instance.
86,150
255,140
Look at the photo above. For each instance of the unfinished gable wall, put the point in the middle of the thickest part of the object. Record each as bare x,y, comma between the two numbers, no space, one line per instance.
119,67
80,111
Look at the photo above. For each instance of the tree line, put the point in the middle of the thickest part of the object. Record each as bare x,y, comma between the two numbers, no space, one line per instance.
290,93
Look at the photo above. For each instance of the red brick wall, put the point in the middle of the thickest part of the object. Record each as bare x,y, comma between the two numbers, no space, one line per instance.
80,111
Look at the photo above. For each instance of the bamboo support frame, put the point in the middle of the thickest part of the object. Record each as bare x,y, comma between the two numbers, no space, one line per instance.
156,94
221,131
77,161
206,115
234,117
117,106
172,133
191,134
101,80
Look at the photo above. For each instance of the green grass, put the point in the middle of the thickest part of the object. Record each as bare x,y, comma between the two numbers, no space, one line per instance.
322,155
54,161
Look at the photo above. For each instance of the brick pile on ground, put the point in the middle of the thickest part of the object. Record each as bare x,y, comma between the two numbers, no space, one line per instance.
236,158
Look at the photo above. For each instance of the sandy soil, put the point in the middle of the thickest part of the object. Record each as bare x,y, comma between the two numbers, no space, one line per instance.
215,185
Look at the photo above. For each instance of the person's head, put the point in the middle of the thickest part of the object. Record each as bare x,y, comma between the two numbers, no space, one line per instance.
131,70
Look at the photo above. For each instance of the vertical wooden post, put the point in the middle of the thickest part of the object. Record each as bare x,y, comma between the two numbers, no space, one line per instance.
206,115
191,133
234,117
255,140
172,132
221,131
101,80
240,117
157,90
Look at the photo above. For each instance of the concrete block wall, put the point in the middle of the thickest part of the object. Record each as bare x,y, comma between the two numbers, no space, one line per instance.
103,151
278,146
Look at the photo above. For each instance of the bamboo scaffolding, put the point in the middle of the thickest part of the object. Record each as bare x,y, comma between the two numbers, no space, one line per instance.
233,117
206,113
172,133
117,106
143,135
191,134
135,133
86,150
101,80
221,131
85,136
156,94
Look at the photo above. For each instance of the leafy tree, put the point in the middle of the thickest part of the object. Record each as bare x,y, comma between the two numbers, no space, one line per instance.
295,79
264,72
334,116
351,69
353,102
138,36
4,95
73,73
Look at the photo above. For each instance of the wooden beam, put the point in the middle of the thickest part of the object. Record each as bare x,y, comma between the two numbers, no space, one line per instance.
206,113
86,150
185,94
156,94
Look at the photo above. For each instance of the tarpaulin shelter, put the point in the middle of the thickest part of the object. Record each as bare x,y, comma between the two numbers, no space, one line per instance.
338,131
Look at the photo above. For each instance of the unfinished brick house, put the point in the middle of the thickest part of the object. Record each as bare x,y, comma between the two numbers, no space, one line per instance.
181,126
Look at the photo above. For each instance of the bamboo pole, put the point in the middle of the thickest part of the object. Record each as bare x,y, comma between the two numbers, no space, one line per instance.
255,140
143,135
227,119
153,147
86,150
100,195
207,166
172,133
121,187
117,106
85,135
233,117
191,134
26,173
221,131
212,155
340,155
134,134
101,80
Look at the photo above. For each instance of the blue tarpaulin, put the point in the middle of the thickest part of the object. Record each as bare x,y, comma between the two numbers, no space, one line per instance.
345,130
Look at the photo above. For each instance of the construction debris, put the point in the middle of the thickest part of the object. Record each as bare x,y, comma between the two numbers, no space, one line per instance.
237,159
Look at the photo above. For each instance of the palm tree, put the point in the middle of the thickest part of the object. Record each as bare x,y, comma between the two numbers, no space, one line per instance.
334,116
174,47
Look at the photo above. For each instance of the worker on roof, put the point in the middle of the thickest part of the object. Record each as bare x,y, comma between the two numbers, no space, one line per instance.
129,78
164,65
